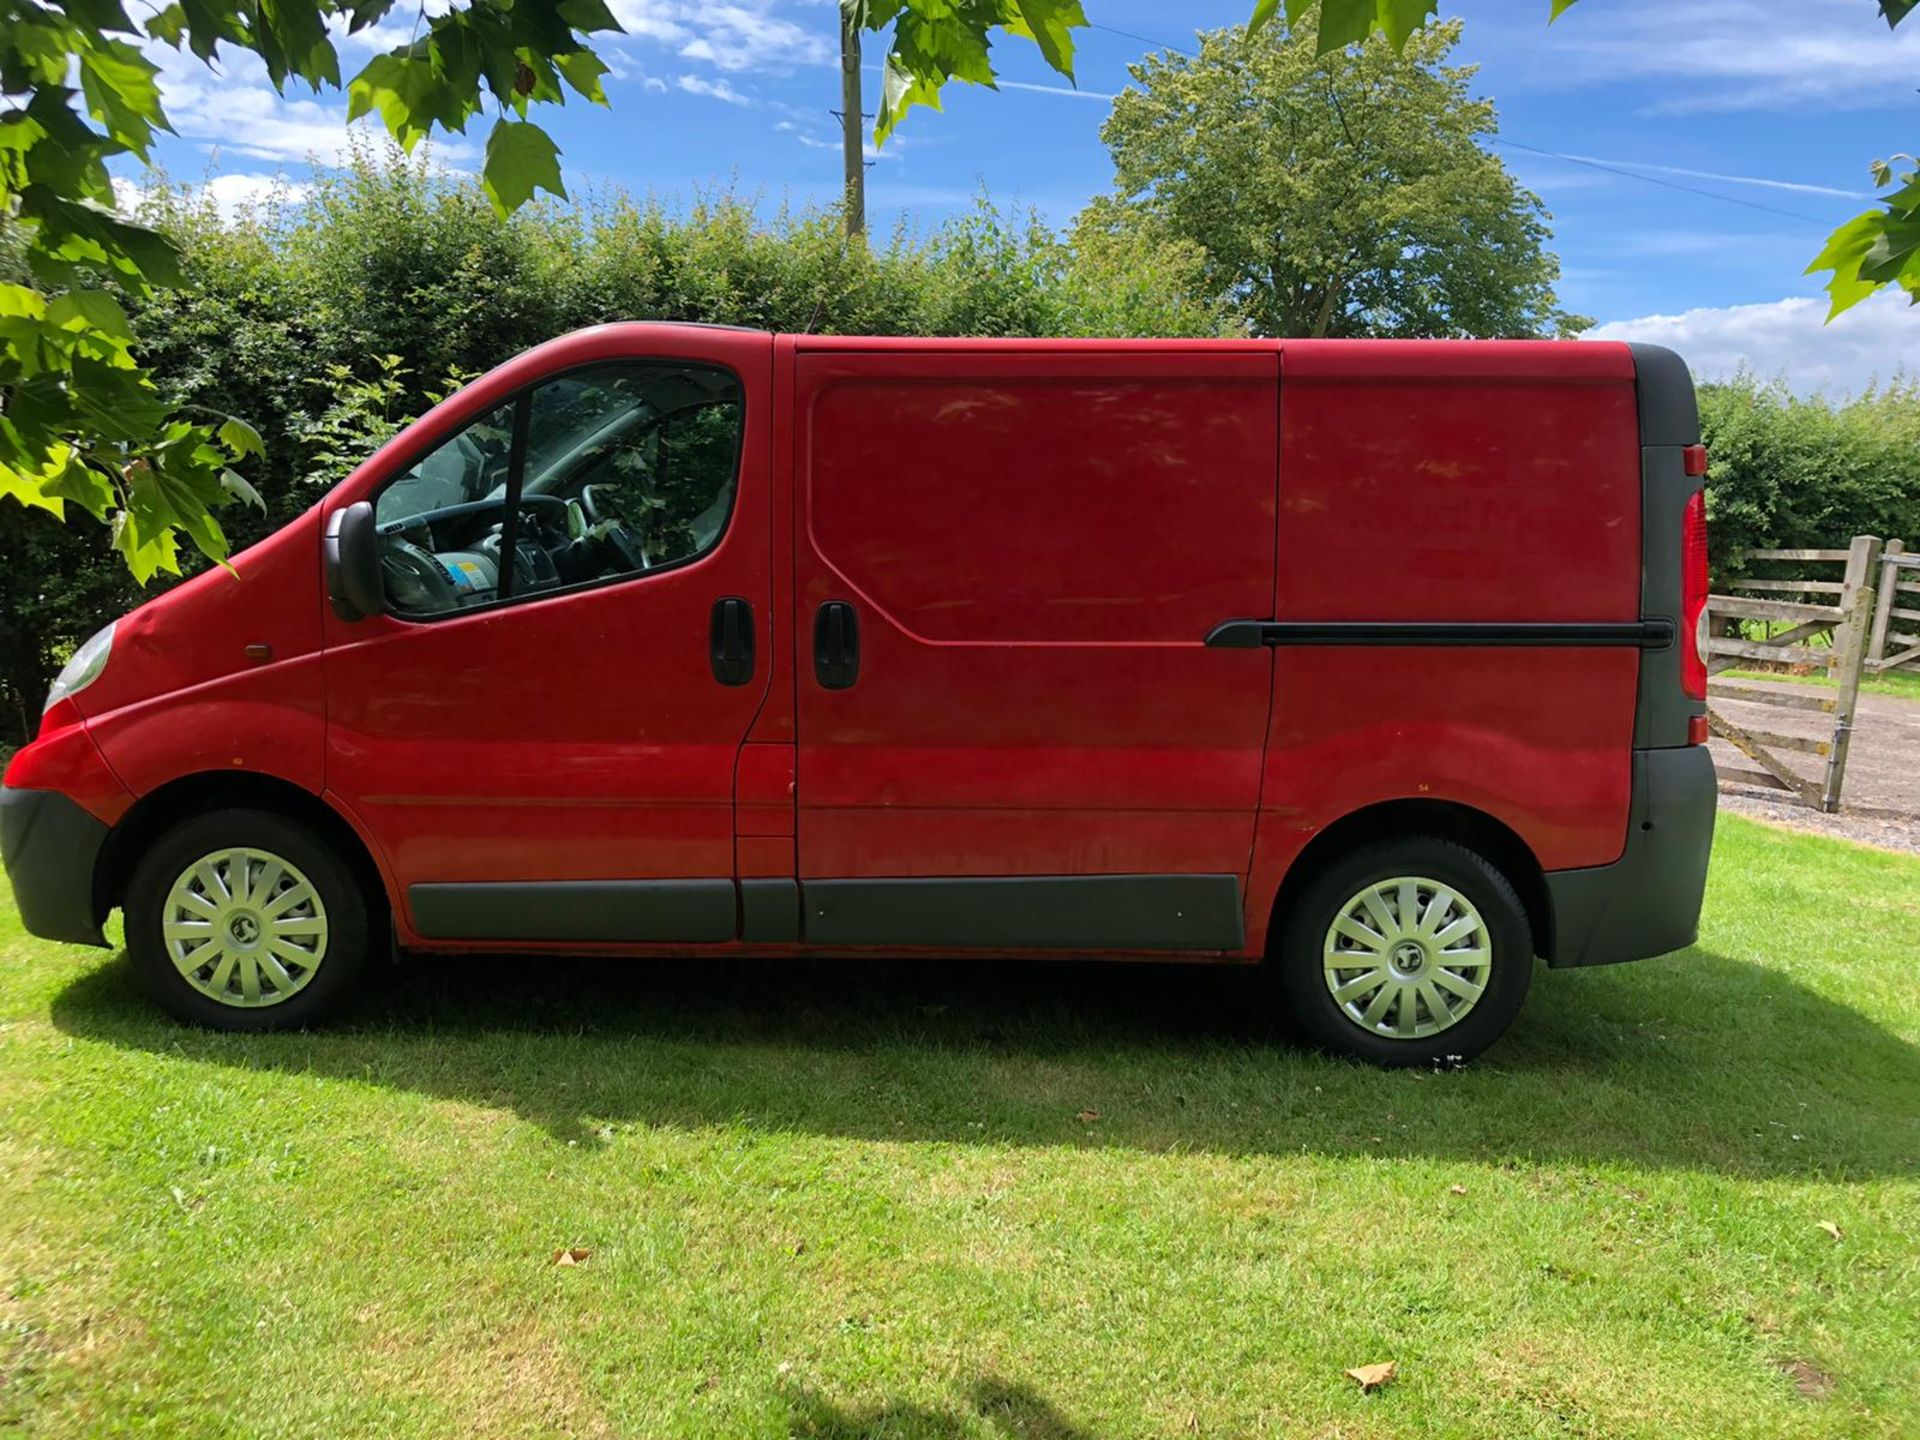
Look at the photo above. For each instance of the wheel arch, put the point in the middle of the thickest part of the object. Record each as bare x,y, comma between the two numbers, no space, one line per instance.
1441,819
165,806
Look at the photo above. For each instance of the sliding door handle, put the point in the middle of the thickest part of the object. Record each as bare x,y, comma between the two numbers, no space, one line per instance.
730,641
836,645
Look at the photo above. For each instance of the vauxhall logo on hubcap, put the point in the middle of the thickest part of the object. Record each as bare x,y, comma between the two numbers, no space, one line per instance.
244,929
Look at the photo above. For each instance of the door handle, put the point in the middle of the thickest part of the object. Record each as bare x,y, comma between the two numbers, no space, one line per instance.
836,645
730,641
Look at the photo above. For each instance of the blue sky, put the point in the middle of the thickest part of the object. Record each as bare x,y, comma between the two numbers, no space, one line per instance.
1772,107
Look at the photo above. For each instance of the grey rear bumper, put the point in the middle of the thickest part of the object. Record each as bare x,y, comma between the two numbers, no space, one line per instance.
1648,901
50,846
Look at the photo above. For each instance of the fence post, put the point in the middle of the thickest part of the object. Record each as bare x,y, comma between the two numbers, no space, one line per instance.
1883,610
1849,657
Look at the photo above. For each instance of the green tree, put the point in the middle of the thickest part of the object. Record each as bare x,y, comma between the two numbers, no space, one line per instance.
1341,194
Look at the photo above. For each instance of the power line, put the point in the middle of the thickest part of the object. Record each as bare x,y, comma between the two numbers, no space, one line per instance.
1143,39
1536,150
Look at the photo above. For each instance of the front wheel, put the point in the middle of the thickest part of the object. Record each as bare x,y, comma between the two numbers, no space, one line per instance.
245,920
1406,952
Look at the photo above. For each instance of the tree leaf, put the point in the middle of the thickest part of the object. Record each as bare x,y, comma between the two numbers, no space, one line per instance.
241,438
583,70
1345,22
168,25
68,477
1398,19
22,300
29,490
93,309
589,16
123,93
1844,253
1372,1377
1050,25
521,158
236,485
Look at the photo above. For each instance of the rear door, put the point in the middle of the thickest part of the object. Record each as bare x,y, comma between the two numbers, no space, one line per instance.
1008,557
544,749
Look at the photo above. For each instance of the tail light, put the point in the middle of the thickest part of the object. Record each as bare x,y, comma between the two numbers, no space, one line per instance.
1693,598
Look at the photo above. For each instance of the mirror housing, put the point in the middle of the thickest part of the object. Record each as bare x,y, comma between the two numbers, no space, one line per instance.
351,558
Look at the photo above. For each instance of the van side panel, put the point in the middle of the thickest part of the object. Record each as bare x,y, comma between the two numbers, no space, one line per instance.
1036,545
1430,481
1480,484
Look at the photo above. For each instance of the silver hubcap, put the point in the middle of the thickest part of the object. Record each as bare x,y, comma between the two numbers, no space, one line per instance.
245,927
1407,958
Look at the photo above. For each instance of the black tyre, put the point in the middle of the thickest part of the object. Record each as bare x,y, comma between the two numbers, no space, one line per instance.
246,920
1405,952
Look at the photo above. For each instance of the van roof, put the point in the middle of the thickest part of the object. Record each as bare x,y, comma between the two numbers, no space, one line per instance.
1437,360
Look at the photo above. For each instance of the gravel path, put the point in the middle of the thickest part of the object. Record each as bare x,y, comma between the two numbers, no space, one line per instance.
1880,804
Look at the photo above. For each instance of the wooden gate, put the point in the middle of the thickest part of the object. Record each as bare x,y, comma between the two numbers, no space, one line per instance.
1842,621
1899,578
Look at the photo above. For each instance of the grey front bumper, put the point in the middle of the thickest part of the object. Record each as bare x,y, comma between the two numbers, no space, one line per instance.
1648,901
50,847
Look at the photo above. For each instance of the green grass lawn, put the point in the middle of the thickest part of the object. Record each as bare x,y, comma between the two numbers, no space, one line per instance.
914,1200
1901,684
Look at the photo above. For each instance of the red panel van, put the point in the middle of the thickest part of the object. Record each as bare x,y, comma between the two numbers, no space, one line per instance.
1374,662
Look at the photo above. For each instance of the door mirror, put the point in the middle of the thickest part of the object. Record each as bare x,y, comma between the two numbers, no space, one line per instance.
351,556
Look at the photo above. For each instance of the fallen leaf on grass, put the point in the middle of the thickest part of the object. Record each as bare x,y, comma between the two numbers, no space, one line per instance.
1087,1117
1372,1377
572,1255
1831,1228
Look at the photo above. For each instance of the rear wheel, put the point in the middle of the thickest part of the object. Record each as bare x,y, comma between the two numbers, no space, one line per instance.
245,920
1406,952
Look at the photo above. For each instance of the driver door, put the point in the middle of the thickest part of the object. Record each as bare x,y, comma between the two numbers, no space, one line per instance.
540,734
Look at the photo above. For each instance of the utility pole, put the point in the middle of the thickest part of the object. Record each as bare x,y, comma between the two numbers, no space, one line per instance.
852,122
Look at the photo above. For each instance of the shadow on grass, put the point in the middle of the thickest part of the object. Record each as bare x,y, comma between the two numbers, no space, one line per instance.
1698,1061
1012,1409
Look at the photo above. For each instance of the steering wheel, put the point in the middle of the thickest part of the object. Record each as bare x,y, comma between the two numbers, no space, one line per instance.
633,555
632,552
416,580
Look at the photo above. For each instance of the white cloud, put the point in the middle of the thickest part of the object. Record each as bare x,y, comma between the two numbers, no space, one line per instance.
713,90
736,38
230,194
733,38
651,20
1789,339
1742,54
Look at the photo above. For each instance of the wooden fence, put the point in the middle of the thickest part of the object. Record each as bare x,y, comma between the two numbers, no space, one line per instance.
1844,621
1899,578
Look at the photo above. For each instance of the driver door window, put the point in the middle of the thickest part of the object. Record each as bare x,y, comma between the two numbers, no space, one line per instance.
595,476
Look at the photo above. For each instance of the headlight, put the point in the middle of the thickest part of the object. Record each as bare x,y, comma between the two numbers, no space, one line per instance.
83,669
